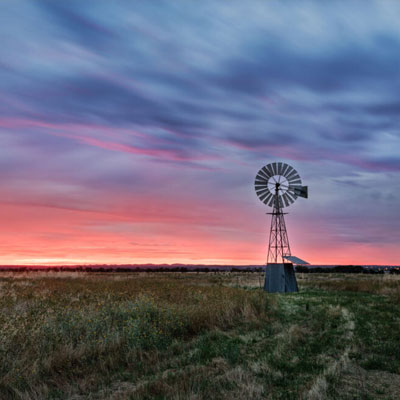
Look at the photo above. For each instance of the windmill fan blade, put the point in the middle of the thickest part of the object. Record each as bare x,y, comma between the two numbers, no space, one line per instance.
263,174
267,199
291,192
269,167
271,202
295,182
261,190
285,199
291,196
280,202
260,194
290,199
267,171
264,195
279,168
274,168
293,177
260,182
288,171
258,186
284,169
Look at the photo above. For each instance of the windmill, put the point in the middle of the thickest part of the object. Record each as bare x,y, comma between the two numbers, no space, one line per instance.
278,185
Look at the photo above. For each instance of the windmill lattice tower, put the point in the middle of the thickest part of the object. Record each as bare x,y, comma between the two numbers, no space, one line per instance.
278,185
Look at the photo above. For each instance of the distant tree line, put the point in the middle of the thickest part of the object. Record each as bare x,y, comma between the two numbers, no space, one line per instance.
347,269
353,269
130,269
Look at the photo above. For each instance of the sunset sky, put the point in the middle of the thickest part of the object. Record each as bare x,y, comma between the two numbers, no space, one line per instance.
131,131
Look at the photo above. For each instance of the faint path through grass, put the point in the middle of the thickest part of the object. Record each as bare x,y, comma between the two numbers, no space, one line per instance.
319,390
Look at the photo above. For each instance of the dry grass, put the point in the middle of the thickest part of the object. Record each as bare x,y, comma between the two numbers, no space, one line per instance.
388,285
56,328
197,336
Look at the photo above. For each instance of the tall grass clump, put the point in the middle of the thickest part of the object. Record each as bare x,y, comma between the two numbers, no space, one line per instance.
36,345
133,324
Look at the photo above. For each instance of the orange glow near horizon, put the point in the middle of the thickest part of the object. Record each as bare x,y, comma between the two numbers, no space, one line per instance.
41,235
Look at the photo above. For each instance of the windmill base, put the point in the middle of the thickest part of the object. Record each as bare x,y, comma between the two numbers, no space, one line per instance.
280,278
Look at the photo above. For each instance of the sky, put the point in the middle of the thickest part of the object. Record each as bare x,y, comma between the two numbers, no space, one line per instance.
132,131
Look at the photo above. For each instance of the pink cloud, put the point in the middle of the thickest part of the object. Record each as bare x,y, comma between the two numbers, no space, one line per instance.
74,132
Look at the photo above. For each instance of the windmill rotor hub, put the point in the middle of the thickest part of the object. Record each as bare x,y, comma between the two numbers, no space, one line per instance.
277,184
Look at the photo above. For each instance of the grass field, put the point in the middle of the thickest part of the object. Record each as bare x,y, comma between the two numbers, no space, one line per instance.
198,336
